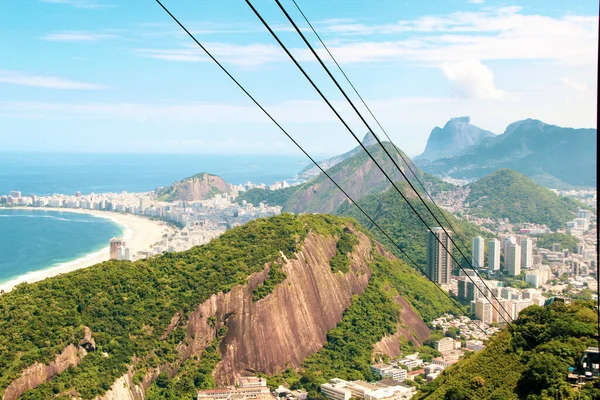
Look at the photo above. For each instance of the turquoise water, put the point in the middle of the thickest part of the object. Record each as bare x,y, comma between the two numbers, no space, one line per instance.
32,240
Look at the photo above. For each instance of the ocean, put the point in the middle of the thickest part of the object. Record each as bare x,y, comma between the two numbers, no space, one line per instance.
47,173
38,239
35,240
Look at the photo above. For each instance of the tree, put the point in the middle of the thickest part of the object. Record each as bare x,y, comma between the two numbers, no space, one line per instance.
163,380
457,393
543,371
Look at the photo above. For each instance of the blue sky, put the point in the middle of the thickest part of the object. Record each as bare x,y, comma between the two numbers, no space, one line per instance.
120,76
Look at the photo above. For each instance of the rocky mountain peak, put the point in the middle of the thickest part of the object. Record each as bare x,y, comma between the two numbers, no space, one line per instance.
457,135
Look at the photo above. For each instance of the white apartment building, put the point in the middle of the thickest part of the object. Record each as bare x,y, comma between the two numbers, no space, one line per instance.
526,253
478,258
512,259
444,344
494,255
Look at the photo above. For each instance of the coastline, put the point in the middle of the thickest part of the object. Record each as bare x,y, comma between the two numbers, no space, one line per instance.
140,234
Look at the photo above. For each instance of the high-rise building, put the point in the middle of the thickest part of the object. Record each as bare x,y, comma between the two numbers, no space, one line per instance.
507,242
526,253
494,255
116,244
583,214
143,205
439,256
478,252
512,259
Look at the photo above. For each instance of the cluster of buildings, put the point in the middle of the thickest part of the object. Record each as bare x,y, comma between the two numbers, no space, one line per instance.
386,389
246,388
588,197
276,186
581,223
491,300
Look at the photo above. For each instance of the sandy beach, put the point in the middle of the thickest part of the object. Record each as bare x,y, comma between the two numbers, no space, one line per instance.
139,233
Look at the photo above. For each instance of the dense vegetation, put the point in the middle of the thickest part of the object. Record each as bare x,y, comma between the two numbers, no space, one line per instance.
529,363
276,276
344,246
396,218
271,197
508,194
128,305
195,374
565,241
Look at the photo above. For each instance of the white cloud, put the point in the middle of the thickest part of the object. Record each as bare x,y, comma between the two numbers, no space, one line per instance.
472,79
76,36
47,82
77,3
243,55
575,85
475,1
492,34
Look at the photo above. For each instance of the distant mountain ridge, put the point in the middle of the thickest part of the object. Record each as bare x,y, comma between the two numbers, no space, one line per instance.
312,170
457,135
552,156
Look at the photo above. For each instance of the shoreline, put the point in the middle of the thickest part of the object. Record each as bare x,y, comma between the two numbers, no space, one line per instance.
139,233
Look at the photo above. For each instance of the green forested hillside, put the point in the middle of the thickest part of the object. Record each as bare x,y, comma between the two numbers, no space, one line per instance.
530,363
396,218
128,306
508,194
271,197
358,176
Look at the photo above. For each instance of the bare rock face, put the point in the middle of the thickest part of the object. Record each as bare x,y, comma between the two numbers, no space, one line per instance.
410,327
291,323
38,373
124,389
88,342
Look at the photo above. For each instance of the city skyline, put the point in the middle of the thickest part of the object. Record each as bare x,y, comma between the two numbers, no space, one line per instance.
125,74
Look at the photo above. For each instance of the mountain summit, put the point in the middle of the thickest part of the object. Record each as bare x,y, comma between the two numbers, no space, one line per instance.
457,135
551,155
312,170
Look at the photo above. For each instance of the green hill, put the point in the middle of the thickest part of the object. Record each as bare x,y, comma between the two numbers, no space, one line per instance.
358,176
508,194
201,186
138,312
530,363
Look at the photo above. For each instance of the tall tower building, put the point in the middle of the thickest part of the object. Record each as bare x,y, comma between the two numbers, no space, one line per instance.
512,259
439,260
478,258
494,255
526,253
117,245
507,242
